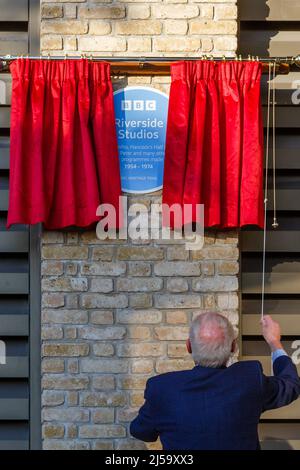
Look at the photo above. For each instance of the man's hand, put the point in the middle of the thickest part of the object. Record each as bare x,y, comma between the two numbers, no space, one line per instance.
271,332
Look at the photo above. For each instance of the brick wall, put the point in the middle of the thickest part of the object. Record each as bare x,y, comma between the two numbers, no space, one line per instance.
113,312
149,27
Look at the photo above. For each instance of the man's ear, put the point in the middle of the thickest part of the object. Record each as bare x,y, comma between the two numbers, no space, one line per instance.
188,345
233,346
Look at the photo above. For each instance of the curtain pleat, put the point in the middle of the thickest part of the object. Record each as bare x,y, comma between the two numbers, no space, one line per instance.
63,152
214,147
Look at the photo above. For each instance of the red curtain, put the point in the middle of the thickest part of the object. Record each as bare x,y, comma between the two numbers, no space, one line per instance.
214,148
64,156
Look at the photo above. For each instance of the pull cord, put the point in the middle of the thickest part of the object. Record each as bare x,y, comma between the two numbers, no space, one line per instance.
275,223
271,85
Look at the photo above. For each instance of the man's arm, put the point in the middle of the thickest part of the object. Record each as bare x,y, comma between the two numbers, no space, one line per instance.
284,386
143,426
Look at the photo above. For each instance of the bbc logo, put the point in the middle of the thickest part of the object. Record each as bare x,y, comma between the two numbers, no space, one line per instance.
138,105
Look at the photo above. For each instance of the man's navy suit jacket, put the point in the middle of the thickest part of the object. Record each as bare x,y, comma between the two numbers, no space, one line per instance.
213,409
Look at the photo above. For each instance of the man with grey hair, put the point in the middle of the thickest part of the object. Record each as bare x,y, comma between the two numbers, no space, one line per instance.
211,340
216,406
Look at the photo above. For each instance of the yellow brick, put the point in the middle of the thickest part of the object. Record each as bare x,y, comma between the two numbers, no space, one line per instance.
53,300
64,252
138,11
103,445
69,284
51,11
177,350
103,382
138,27
140,300
175,11
213,1
51,42
51,431
99,399
227,12
99,27
139,332
101,430
104,317
126,415
207,11
213,27
228,267
139,44
171,333
175,26
102,44
177,285
216,252
142,366
67,1
52,268
103,415
102,253
176,253
53,365
72,431
206,44
133,382
176,316
70,11
137,398
70,43
65,349
171,365
166,80
140,252
52,237
102,11
137,1
228,301
182,44
208,268
209,301
140,349
225,43
138,80
52,398
91,238
64,27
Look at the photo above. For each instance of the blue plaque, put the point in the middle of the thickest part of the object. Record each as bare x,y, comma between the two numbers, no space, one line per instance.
141,122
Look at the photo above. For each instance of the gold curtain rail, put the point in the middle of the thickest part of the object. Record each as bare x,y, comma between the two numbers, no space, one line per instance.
158,66
164,69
